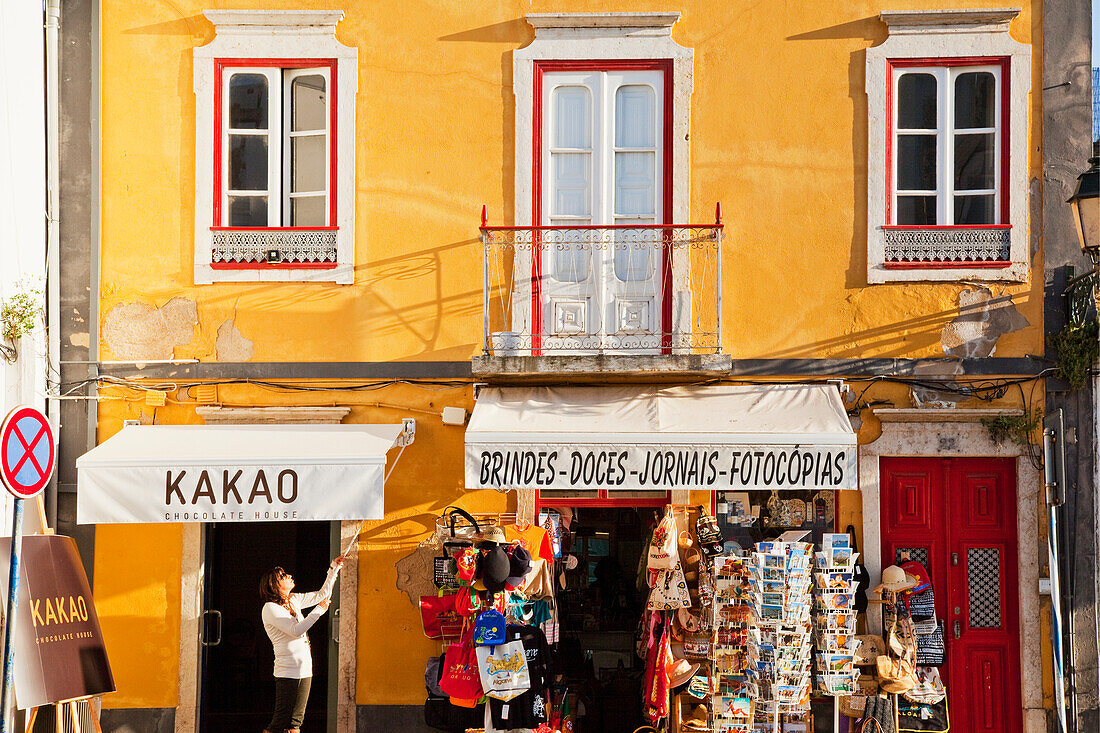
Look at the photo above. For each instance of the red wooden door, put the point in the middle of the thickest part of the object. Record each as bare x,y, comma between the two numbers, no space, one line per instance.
957,516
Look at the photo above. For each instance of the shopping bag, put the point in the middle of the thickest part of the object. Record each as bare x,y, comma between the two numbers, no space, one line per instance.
663,554
670,592
439,616
460,676
503,670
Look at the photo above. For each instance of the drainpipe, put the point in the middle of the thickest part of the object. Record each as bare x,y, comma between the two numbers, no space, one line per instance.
53,231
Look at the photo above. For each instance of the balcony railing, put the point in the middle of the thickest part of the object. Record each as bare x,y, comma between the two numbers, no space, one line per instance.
626,289
947,246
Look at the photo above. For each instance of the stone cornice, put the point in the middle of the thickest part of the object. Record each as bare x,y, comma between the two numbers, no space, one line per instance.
602,20
277,21
914,21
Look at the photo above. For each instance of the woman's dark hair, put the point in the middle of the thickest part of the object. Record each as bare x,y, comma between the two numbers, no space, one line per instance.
269,585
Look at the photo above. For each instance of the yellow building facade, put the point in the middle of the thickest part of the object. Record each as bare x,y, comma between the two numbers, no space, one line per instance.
849,249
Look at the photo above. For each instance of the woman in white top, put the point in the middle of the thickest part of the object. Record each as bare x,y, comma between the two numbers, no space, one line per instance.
287,627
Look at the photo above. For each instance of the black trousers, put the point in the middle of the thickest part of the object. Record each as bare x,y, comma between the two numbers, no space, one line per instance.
291,696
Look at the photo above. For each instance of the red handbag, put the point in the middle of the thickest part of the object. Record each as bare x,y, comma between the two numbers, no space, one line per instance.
440,617
460,676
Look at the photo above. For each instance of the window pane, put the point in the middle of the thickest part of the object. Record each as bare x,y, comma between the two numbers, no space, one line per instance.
308,163
916,210
634,249
248,102
974,162
571,191
916,162
975,209
307,107
975,100
635,117
917,102
248,162
634,185
308,211
247,211
571,252
572,117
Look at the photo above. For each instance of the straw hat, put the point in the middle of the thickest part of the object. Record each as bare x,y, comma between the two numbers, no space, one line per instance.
895,579
681,672
698,720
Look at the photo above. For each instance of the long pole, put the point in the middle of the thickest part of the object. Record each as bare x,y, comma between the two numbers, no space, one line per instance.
9,619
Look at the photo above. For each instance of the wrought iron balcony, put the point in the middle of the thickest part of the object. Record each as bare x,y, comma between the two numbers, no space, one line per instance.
298,246
638,290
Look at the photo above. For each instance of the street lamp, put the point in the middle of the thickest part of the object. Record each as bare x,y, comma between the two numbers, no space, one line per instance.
1086,210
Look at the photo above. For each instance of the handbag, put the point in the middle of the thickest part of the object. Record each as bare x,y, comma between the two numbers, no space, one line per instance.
440,617
878,715
853,705
662,549
898,674
929,689
869,647
450,533
460,675
915,717
931,651
503,670
670,591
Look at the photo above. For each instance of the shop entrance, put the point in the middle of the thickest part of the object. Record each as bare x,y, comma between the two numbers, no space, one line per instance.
957,517
237,691
604,597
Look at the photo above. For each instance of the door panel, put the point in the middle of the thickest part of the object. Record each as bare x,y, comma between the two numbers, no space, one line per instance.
958,518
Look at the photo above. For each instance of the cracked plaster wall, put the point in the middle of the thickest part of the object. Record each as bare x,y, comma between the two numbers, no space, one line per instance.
139,331
982,320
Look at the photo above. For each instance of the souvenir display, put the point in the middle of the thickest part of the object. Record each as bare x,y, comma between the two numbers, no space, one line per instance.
779,642
835,616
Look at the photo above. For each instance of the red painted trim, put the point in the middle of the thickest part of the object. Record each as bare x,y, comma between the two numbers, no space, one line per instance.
610,226
273,265
1005,103
947,265
606,500
219,67
902,227
274,229
540,68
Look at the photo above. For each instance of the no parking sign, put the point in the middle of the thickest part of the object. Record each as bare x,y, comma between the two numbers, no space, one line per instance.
26,463
26,452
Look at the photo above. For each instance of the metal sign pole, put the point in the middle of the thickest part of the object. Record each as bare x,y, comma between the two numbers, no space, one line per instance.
9,618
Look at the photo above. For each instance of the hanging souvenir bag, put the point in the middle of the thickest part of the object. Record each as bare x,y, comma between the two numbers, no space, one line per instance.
440,616
460,674
929,688
878,715
662,549
454,534
708,533
898,674
920,600
670,591
931,651
918,717
503,670
489,628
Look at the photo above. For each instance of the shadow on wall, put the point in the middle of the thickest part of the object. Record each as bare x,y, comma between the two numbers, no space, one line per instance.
874,30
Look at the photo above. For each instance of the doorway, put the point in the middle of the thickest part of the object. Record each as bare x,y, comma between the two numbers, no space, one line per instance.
957,517
237,691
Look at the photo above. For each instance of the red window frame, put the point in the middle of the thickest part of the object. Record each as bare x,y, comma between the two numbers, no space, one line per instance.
605,498
220,65
949,62
541,68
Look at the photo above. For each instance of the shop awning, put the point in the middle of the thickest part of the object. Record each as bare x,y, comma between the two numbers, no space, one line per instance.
237,473
712,437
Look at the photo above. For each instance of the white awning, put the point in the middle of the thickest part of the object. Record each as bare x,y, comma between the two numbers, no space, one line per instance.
236,473
713,437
